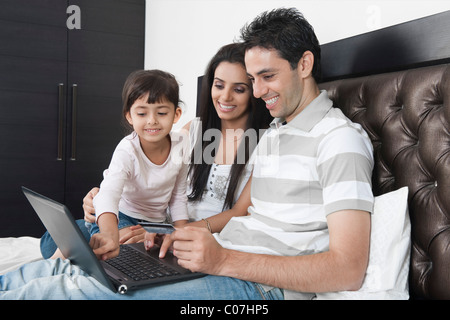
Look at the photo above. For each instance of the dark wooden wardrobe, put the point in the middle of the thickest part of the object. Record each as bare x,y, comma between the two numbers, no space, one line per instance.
62,68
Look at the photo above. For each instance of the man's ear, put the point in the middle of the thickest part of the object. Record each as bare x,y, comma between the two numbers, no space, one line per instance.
306,64
177,116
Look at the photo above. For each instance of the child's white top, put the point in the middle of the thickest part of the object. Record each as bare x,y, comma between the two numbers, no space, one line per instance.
141,189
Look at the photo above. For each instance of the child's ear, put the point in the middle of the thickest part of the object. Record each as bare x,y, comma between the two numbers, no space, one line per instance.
128,117
178,113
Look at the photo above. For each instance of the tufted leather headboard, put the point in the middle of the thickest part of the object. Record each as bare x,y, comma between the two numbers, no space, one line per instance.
395,82
407,116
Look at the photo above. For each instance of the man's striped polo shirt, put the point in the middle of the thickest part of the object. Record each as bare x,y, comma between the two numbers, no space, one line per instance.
318,163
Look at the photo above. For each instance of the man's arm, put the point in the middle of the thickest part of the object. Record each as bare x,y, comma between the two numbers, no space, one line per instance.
341,268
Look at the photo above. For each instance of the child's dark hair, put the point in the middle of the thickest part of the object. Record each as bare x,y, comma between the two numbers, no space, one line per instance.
159,85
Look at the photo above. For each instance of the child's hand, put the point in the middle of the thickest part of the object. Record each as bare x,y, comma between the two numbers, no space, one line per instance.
166,243
150,239
104,245
165,246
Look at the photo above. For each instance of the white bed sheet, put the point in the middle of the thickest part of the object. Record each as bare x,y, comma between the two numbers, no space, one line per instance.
14,252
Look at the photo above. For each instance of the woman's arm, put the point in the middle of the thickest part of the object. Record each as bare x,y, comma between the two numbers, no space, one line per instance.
218,221
88,205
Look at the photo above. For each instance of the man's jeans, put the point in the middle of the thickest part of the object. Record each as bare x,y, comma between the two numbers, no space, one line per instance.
58,279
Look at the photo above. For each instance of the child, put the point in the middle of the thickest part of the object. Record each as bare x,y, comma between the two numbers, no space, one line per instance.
146,175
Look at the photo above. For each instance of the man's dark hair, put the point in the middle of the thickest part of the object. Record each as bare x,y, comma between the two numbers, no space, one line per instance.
288,32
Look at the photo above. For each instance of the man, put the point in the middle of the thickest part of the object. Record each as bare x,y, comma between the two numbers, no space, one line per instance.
308,227
317,189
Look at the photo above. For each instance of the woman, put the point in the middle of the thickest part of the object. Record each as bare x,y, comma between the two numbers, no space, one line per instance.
226,104
216,178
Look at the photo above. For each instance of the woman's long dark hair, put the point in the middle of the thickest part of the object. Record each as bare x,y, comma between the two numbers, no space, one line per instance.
259,118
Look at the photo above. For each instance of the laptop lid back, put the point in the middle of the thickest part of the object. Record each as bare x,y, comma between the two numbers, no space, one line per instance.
61,225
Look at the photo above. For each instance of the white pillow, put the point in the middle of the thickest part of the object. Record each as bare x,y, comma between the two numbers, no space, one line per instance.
390,245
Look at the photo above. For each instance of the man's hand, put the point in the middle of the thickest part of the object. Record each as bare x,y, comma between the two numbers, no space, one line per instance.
197,250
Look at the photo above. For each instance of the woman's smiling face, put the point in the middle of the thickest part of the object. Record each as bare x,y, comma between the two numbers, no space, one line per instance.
230,91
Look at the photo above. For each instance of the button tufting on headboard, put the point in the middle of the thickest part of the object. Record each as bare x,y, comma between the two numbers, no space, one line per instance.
407,116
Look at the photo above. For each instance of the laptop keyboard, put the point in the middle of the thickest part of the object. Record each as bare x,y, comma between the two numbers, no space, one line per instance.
138,267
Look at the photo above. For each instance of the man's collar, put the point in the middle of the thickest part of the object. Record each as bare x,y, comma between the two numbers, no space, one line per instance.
310,116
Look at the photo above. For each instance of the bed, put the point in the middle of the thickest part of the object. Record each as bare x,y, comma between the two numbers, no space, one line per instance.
15,251
395,82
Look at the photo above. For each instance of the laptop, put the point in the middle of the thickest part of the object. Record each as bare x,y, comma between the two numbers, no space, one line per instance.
115,273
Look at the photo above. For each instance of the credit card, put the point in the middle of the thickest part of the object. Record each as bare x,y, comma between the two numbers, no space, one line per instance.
154,227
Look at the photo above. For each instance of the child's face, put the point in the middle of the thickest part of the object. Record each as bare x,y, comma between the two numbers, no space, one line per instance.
154,121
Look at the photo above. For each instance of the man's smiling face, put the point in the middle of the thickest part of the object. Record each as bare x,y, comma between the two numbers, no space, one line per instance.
274,81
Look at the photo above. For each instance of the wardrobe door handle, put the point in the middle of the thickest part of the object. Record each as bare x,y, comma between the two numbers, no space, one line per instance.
60,121
74,122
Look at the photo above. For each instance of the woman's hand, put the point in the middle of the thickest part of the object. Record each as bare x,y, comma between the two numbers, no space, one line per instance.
88,205
133,234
